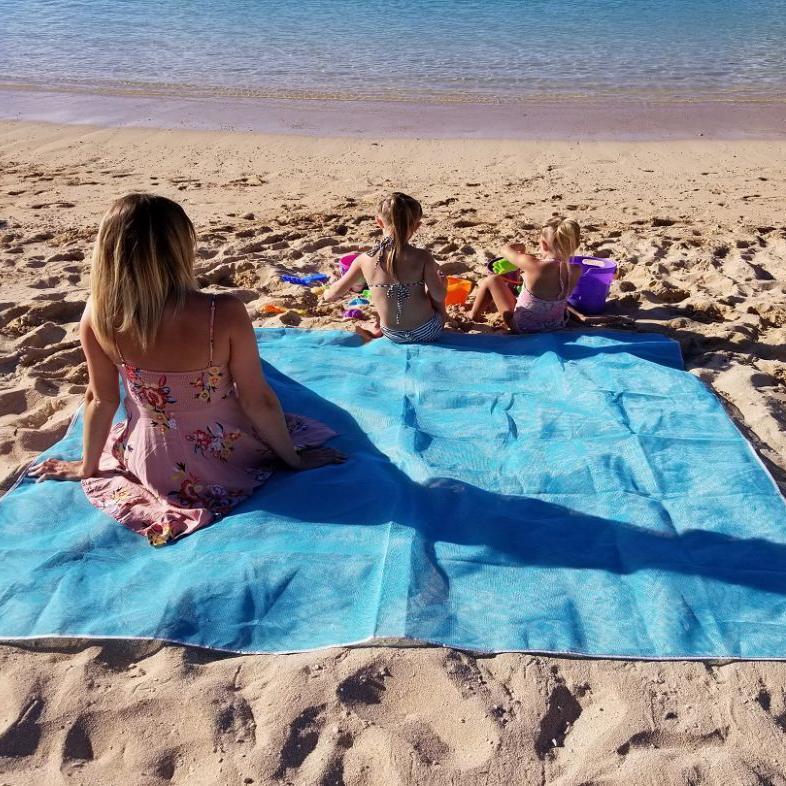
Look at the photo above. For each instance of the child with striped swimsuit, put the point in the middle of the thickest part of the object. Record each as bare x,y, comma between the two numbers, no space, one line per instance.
406,287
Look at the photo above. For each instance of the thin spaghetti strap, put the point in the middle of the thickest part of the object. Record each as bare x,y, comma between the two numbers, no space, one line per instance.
212,320
117,349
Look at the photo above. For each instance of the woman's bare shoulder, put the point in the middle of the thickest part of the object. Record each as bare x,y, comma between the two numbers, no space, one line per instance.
230,308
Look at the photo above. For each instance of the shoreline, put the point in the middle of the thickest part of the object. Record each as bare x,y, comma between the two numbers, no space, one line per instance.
562,119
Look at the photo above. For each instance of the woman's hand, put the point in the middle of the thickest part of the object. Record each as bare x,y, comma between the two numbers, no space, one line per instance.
57,469
312,458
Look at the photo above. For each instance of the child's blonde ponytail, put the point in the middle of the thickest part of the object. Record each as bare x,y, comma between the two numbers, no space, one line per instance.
564,237
401,213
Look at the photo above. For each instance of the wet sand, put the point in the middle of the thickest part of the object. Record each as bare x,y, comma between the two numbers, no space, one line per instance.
621,118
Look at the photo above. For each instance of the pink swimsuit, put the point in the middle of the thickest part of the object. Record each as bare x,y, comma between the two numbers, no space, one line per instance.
533,314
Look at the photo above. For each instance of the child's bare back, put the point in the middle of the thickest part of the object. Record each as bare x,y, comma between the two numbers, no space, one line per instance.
417,275
407,291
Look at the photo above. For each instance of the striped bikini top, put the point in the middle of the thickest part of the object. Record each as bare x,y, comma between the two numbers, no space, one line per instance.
398,290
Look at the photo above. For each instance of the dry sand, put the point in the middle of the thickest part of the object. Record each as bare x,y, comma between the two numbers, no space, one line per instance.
699,228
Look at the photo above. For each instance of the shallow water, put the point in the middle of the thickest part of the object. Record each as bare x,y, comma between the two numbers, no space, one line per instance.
444,50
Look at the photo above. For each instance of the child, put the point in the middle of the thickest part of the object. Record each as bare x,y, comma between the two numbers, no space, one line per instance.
406,288
546,284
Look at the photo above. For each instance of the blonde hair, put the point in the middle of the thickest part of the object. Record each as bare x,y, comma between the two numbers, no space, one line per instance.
401,213
563,236
143,258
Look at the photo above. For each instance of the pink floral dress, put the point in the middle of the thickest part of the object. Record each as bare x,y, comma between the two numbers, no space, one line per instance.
186,453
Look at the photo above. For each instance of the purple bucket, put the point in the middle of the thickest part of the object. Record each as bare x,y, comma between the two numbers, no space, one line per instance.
591,292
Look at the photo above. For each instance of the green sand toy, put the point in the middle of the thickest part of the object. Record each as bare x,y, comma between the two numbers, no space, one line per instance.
501,265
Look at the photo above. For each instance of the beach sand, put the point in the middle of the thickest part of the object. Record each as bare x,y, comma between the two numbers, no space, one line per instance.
699,230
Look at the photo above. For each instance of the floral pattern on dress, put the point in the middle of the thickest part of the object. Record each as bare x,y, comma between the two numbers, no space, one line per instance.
218,443
162,532
194,492
120,445
207,383
120,499
152,397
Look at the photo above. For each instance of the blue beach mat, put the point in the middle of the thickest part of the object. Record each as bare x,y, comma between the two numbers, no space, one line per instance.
561,493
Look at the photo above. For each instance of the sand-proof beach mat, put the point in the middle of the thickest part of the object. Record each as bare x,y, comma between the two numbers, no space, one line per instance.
561,493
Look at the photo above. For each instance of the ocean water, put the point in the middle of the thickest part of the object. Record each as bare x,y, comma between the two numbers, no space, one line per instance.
429,50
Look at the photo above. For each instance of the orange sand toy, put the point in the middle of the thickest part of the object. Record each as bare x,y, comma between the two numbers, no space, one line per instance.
458,291
272,308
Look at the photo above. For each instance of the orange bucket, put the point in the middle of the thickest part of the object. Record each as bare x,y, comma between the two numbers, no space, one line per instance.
458,291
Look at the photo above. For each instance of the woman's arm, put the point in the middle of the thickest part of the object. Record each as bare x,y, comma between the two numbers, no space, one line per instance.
256,397
101,402
102,397
340,288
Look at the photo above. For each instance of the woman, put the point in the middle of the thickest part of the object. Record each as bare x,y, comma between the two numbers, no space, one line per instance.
202,433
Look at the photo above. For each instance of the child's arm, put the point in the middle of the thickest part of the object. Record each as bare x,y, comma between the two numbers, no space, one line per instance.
339,288
516,254
435,285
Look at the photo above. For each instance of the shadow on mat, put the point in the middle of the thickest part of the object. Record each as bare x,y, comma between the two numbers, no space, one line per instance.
508,529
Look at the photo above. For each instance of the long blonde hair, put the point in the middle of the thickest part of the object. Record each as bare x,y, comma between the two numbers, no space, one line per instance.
563,236
143,258
401,213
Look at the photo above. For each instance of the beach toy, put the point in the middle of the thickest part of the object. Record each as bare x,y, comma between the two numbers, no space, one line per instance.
591,292
346,262
273,308
343,266
354,313
502,267
358,301
458,291
305,281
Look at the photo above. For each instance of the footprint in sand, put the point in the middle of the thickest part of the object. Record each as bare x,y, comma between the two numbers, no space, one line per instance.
236,721
72,255
458,735
20,730
77,747
50,282
764,699
13,402
562,711
302,738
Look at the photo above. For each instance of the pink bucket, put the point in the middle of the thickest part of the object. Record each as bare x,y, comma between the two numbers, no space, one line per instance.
346,262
